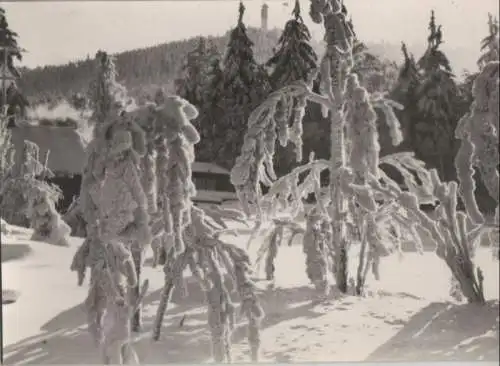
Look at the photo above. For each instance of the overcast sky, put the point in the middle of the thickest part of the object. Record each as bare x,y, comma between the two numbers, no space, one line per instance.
58,32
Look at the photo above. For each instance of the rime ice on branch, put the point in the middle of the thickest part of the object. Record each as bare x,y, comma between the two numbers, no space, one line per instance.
25,195
478,132
114,207
193,236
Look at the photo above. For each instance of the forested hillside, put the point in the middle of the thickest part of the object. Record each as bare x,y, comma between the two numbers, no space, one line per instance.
143,70
140,70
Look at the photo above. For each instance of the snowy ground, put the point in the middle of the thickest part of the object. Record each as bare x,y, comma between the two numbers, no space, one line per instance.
407,317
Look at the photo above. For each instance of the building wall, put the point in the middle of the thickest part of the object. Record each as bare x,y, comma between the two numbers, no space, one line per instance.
67,151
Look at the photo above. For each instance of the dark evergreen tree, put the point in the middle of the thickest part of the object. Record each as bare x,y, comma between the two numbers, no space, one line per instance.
16,102
245,84
8,38
295,58
405,92
489,52
194,73
438,97
195,84
212,135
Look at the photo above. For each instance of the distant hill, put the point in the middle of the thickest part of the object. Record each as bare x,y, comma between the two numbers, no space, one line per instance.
140,70
143,70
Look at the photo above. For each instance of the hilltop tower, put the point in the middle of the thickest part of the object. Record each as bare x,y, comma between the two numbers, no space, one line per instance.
263,16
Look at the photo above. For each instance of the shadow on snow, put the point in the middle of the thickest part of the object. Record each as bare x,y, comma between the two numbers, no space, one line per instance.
445,332
64,339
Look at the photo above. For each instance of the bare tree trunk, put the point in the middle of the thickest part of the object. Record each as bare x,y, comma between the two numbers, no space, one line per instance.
173,269
470,284
137,317
363,263
338,204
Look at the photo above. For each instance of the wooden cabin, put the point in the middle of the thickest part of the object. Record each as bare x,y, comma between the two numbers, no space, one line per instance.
66,159
212,184
66,156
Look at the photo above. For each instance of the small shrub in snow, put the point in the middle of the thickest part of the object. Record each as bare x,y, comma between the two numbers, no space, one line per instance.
21,186
46,222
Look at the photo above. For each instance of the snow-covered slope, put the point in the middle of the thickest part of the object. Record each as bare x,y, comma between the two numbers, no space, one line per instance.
408,315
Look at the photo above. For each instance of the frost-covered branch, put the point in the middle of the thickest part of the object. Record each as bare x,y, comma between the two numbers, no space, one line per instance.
266,124
192,234
455,237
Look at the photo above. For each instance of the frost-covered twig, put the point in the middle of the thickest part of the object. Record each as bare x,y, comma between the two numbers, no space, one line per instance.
478,131
255,164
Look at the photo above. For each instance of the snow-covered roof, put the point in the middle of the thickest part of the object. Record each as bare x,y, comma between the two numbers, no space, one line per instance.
201,167
67,151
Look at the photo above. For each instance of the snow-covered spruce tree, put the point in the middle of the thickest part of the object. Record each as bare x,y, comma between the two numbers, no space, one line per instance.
141,123
478,132
455,233
192,236
363,157
438,97
255,164
452,231
114,207
245,86
124,201
294,60
491,53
